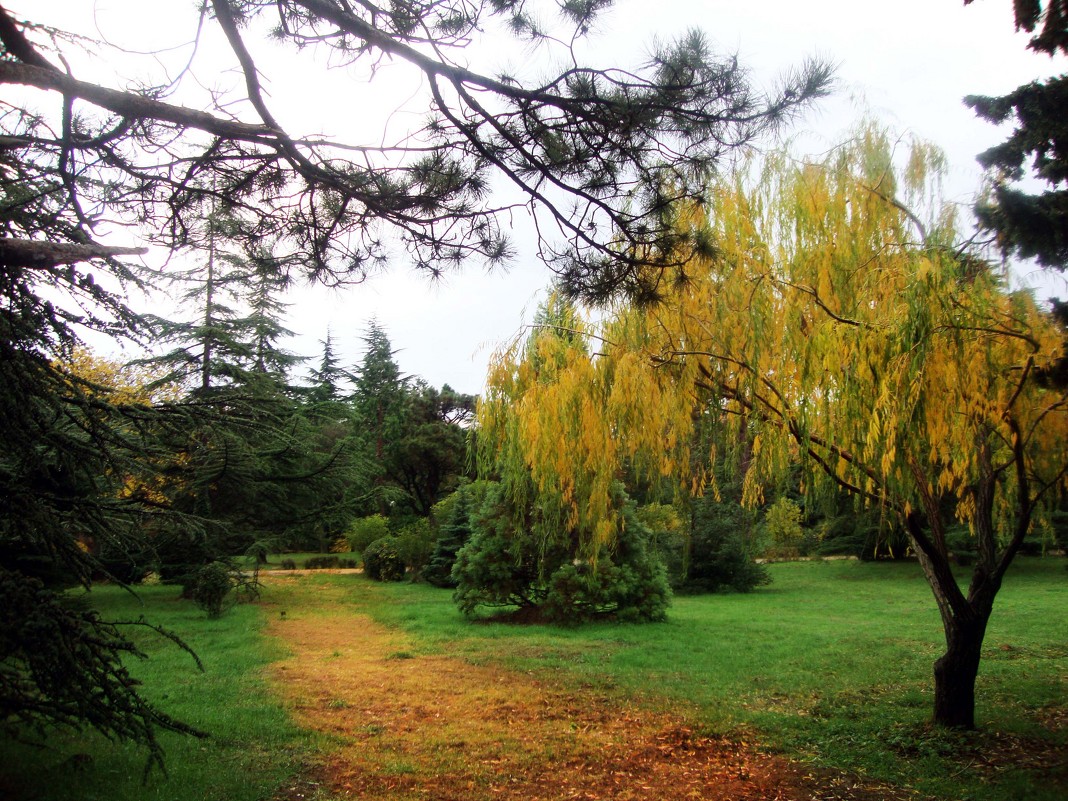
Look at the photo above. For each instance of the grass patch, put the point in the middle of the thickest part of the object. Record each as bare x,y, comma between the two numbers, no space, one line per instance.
830,664
275,561
253,747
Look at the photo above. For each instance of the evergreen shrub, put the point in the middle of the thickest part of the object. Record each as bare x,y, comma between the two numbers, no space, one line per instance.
415,544
365,530
721,557
453,533
500,566
213,584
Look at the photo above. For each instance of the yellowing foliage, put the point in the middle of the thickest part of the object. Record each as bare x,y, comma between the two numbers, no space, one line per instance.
833,319
121,383
558,421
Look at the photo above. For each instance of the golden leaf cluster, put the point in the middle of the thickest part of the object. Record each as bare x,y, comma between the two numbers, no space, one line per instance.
835,319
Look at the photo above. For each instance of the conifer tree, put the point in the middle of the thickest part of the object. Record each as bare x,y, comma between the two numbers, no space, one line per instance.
1032,226
429,453
453,535
380,399
326,381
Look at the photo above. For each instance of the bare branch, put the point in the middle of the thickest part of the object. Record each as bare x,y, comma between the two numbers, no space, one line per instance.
36,254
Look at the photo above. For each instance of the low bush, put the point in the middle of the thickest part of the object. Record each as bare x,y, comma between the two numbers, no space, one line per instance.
634,591
720,556
287,564
365,530
321,563
213,584
782,530
500,566
382,560
415,545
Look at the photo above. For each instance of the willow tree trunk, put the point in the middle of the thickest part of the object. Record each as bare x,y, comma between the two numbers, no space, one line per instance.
956,670
964,620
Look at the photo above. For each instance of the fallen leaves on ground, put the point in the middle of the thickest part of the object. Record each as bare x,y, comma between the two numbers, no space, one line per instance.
404,727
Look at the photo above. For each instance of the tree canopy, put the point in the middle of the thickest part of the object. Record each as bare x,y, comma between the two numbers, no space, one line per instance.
596,154
831,322
837,322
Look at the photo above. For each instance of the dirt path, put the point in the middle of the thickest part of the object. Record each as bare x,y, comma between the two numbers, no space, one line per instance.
435,727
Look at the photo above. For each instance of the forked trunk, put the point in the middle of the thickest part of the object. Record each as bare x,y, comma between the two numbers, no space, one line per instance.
964,620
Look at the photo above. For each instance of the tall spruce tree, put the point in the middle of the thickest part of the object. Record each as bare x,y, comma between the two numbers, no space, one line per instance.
380,402
453,534
326,382
333,436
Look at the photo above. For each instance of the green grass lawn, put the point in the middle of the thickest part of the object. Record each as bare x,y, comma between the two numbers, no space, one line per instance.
253,746
831,663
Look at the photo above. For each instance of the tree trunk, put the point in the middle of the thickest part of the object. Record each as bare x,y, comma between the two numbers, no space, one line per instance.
955,672
964,621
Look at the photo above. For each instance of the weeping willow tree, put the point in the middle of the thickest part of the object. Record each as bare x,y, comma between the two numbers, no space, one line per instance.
829,321
834,321
565,535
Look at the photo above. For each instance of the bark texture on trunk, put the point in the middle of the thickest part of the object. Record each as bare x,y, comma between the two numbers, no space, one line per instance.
964,621
955,673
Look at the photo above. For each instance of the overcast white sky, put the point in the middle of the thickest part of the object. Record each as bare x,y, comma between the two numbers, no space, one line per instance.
909,62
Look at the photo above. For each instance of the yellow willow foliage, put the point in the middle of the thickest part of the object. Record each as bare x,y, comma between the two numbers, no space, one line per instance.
125,385
833,320
562,414
121,384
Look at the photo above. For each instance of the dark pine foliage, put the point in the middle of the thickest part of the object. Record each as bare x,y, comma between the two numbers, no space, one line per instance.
61,666
452,536
1033,226
720,555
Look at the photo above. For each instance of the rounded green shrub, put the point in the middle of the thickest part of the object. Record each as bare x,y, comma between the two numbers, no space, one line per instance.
415,544
382,560
213,583
720,555
502,567
365,530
